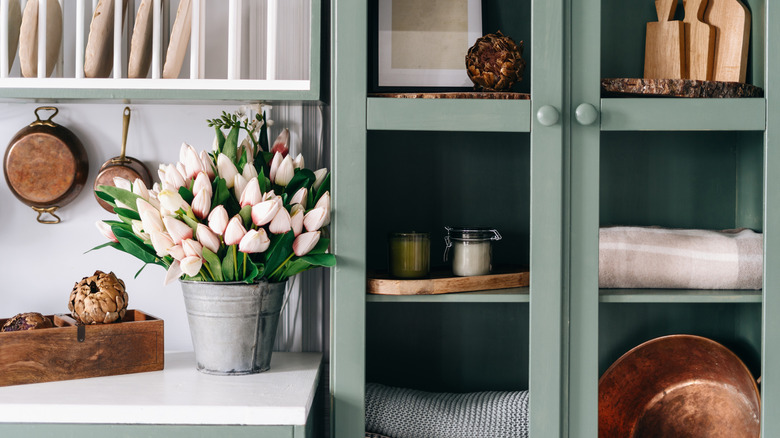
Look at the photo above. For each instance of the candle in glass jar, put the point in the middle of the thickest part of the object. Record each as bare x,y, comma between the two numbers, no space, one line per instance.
409,254
471,250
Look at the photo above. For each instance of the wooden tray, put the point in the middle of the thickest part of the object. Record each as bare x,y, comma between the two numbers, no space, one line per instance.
443,282
637,87
70,351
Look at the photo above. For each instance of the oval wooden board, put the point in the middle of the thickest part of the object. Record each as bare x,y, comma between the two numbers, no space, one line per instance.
443,282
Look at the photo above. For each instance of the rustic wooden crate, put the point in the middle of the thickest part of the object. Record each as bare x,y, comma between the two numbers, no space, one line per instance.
70,351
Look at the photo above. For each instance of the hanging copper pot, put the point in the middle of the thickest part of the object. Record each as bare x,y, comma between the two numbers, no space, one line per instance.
46,166
122,166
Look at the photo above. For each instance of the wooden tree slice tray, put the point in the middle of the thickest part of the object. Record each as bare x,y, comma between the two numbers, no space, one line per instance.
499,95
634,87
443,282
70,351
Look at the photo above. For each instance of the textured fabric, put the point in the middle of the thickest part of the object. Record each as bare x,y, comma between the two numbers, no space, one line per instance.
649,257
407,413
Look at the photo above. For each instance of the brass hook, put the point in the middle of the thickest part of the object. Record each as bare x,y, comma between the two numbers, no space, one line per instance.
47,210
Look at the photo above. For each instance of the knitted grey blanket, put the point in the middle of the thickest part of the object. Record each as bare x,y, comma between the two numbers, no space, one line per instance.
407,413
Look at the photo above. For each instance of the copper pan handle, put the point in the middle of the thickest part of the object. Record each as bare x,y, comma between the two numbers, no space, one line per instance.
125,126
47,210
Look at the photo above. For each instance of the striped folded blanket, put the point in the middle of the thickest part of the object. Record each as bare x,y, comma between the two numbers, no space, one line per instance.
407,413
651,257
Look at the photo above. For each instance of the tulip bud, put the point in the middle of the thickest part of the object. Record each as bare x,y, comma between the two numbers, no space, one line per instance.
319,178
286,172
173,176
182,171
192,162
226,169
298,162
239,184
254,241
105,230
150,216
314,219
251,194
201,204
174,272
269,195
281,223
305,243
324,203
296,218
208,164
247,148
177,252
161,241
138,229
300,197
263,212
235,231
207,238
192,248
172,201
122,183
183,152
249,171
215,145
201,183
218,220
177,229
191,265
139,188
281,144
275,162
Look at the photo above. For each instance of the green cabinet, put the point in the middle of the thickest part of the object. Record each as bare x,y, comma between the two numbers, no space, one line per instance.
548,187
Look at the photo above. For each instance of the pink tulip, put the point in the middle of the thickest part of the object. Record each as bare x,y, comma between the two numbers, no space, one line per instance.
172,201
285,172
254,241
139,188
174,272
208,164
314,219
281,223
249,171
122,183
263,212
161,241
173,176
201,204
298,162
324,203
235,231
177,252
269,195
191,265
105,230
276,161
300,197
226,169
138,229
239,184
207,238
182,171
319,177
296,218
192,162
305,243
202,183
150,216
177,229
281,143
192,248
218,220
251,194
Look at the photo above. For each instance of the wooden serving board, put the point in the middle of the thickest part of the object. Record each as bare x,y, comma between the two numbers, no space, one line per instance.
699,41
443,282
68,351
731,20
664,44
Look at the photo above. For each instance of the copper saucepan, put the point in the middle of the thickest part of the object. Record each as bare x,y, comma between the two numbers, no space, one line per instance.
122,166
46,166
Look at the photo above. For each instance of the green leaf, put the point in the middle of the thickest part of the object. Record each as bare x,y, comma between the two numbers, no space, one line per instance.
221,192
278,252
295,267
105,197
321,247
111,244
134,246
190,221
126,213
229,265
327,260
186,194
263,140
139,271
231,144
252,272
125,197
262,180
301,178
246,215
324,187
220,138
214,265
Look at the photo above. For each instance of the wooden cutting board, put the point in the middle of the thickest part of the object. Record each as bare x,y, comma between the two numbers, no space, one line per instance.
664,44
731,20
699,41
443,282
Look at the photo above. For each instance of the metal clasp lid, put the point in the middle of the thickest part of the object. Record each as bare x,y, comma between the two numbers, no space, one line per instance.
468,235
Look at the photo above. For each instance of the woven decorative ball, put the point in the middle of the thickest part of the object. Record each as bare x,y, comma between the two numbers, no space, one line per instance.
495,62
98,299
26,321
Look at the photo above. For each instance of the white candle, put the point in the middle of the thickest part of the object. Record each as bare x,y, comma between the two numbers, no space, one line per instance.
471,258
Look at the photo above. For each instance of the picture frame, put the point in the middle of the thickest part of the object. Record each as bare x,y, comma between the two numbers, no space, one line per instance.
423,43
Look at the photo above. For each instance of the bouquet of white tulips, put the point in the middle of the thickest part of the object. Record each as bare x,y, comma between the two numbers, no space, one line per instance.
239,213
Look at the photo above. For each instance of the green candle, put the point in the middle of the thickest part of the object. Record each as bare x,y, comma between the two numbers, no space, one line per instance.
410,254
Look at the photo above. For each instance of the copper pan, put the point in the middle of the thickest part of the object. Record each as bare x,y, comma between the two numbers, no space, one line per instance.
680,386
122,166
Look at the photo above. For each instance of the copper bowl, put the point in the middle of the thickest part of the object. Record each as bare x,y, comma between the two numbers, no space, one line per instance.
678,386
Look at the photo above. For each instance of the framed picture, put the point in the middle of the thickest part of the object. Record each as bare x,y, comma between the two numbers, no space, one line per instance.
423,43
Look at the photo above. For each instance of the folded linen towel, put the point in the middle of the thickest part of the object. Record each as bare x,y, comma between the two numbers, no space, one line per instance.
651,257
408,413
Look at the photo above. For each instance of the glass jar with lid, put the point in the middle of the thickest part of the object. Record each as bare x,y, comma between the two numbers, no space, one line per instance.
409,254
471,250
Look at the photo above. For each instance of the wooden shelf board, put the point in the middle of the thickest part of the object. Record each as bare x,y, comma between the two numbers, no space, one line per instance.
633,87
500,95
442,281
513,295
679,296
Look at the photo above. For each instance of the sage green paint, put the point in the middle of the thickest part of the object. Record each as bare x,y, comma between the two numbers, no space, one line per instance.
513,295
678,296
449,114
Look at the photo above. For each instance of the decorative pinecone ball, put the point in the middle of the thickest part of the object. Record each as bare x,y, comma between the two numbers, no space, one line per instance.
99,299
495,62
26,321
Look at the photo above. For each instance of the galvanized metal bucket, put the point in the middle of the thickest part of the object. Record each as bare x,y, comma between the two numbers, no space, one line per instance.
233,324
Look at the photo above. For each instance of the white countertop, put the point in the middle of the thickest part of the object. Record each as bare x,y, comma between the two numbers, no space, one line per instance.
179,394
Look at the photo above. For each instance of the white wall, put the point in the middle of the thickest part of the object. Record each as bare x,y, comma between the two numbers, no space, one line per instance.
39,264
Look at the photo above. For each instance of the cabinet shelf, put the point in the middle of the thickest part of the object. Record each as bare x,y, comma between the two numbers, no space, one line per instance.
513,295
485,115
678,296
682,114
